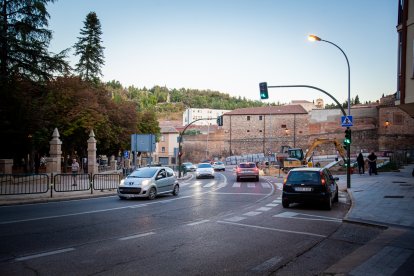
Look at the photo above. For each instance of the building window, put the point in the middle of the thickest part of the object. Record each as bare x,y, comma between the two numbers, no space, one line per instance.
260,130
248,118
162,138
248,130
260,117
163,149
283,126
398,119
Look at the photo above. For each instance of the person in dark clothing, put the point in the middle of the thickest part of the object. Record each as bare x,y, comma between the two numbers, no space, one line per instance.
372,161
361,163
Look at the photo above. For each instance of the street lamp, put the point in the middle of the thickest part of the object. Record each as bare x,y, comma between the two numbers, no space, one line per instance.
316,38
348,163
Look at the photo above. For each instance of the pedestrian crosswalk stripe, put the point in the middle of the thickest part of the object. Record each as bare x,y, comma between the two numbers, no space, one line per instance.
251,185
209,185
235,219
236,185
263,209
252,213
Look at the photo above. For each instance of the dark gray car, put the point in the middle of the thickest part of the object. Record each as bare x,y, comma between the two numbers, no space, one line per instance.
310,185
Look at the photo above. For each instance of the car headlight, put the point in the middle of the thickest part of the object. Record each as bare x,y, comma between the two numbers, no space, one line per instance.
122,182
145,182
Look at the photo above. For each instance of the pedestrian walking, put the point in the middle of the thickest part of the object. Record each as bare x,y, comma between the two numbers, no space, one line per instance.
75,170
361,163
372,161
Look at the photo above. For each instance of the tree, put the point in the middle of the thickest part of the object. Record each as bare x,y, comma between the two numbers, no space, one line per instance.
90,50
357,101
24,42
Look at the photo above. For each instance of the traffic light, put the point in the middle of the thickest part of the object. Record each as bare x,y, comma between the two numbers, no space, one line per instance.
347,140
264,94
220,120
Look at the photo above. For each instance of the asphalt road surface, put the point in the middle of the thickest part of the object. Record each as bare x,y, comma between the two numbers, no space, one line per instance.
215,226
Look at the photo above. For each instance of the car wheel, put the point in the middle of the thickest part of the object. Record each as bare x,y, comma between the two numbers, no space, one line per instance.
237,179
122,197
176,190
328,205
336,197
285,204
152,193
257,178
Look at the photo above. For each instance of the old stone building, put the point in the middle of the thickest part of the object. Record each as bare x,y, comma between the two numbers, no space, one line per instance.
264,129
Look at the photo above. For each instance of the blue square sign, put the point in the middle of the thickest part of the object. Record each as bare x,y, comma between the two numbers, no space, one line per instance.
346,121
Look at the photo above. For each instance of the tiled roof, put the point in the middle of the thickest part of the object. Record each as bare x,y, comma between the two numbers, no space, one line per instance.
168,129
272,110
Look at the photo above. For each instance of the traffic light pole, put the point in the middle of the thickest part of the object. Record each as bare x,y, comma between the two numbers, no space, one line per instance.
180,147
348,148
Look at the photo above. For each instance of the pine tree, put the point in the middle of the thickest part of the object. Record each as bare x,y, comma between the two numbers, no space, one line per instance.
90,50
24,41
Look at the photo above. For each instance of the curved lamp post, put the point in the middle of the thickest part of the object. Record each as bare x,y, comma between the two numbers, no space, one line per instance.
316,38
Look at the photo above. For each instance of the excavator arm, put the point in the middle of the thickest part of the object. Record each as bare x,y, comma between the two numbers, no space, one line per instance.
320,141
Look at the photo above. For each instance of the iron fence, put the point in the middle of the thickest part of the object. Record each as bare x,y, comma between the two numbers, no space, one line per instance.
18,184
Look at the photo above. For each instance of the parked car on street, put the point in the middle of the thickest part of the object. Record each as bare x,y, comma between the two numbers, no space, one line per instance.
219,166
149,182
247,170
189,167
310,185
204,170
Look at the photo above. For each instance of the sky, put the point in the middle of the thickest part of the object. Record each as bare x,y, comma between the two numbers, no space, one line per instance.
231,46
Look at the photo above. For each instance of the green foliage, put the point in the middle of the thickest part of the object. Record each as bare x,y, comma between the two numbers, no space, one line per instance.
25,40
90,50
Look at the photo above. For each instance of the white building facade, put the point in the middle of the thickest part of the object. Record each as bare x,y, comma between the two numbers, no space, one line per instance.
192,114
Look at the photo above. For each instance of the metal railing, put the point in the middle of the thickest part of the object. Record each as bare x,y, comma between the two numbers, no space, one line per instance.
20,184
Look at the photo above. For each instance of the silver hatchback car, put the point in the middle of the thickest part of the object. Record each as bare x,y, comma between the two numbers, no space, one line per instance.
149,182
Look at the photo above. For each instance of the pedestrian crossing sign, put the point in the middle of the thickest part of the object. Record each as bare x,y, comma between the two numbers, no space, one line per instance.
346,121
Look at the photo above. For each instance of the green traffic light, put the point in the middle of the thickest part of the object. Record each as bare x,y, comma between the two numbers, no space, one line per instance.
264,94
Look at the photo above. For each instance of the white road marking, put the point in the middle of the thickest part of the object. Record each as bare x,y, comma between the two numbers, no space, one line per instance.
235,219
294,215
251,214
236,185
273,229
267,264
277,201
209,185
272,204
251,185
266,185
198,222
44,254
136,236
263,209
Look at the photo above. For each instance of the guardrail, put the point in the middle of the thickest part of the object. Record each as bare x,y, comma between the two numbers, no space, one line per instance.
20,184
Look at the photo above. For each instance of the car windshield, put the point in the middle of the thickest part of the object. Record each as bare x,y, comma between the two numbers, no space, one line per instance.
143,173
303,177
219,163
204,165
187,164
247,165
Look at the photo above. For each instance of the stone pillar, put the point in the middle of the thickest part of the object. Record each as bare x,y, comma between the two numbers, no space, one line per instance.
92,165
112,163
55,153
6,166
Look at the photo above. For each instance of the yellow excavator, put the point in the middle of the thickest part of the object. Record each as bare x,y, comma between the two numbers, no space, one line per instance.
296,158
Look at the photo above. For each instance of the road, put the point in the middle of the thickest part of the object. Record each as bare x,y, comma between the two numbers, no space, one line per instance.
215,226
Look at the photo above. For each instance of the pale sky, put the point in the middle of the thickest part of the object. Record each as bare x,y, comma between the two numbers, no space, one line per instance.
231,46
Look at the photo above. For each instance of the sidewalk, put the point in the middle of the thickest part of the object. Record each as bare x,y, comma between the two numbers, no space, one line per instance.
383,200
